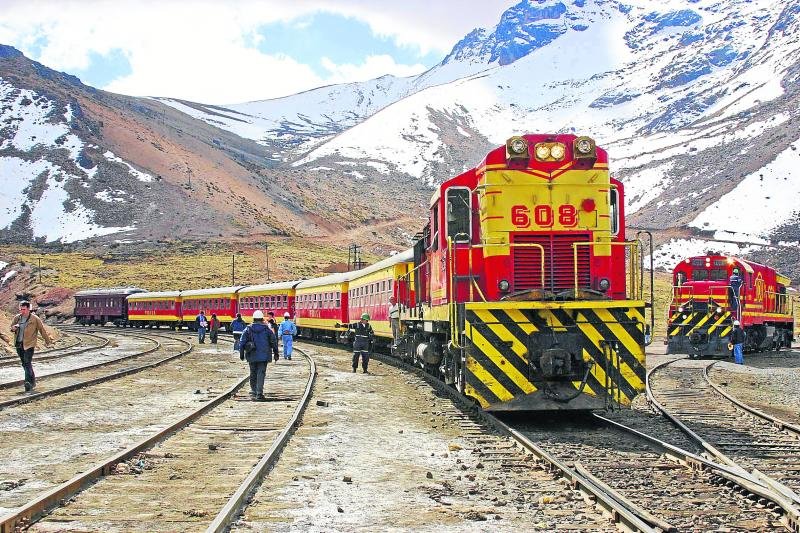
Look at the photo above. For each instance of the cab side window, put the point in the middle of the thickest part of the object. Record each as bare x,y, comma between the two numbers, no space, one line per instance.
459,213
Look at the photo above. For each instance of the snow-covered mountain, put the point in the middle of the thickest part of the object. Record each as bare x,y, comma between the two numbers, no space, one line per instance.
696,100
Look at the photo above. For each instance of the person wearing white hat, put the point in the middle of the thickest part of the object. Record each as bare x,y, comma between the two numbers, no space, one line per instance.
738,337
256,345
287,330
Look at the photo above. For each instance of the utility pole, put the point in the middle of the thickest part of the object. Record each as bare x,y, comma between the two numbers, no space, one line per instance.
40,269
354,261
233,269
266,252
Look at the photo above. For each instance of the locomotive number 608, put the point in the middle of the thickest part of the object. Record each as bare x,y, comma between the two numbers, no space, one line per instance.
543,216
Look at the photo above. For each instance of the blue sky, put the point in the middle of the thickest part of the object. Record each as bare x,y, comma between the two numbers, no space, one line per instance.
228,52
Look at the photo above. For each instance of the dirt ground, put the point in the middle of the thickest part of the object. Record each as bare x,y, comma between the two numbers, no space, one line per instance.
381,452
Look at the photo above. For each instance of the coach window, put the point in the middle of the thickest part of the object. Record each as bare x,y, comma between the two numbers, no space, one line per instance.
459,214
613,210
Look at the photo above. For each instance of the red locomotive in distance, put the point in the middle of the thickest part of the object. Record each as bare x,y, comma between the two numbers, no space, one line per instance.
709,292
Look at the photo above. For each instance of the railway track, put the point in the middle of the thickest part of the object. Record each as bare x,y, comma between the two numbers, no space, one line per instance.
162,350
659,485
197,473
416,450
62,351
763,450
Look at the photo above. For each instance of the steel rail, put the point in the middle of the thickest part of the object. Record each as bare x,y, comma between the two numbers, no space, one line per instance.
100,379
756,483
238,501
624,513
14,360
781,424
35,509
11,384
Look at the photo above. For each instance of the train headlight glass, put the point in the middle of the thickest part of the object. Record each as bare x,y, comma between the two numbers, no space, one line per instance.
542,152
557,151
518,146
504,285
604,284
584,148
719,310
680,309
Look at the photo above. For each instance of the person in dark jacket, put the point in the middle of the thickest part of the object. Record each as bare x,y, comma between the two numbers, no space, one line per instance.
264,342
274,325
213,328
737,339
202,324
362,338
237,327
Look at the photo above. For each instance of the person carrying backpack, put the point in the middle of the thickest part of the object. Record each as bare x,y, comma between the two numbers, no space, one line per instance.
256,345
287,330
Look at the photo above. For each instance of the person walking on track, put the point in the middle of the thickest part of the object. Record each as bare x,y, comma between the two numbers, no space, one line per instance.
274,326
737,340
202,324
286,331
213,328
256,345
237,327
26,327
362,339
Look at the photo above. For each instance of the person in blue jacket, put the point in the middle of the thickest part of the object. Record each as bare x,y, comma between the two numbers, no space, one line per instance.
202,324
256,345
287,330
237,327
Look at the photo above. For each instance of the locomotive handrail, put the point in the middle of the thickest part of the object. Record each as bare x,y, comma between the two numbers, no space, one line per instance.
633,245
517,245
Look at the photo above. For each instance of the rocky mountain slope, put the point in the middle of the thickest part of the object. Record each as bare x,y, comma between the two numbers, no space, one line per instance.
696,101
79,163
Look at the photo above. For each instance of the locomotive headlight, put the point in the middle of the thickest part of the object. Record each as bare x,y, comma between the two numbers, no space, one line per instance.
518,145
719,310
680,309
542,151
604,284
585,148
504,285
517,148
557,151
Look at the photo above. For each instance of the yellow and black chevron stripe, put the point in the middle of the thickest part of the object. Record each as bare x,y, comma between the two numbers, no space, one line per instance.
719,325
499,336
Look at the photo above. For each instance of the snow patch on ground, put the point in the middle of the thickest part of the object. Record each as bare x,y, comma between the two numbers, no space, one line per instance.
667,255
15,176
27,118
141,176
755,203
8,275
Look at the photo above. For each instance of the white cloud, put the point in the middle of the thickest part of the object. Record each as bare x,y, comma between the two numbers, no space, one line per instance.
372,67
205,51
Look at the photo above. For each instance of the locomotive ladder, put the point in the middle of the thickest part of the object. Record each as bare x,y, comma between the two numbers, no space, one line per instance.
613,372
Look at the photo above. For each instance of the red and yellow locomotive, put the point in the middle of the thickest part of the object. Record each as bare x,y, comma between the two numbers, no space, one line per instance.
711,291
527,293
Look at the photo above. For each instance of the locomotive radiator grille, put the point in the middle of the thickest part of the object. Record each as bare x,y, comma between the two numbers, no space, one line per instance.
559,262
